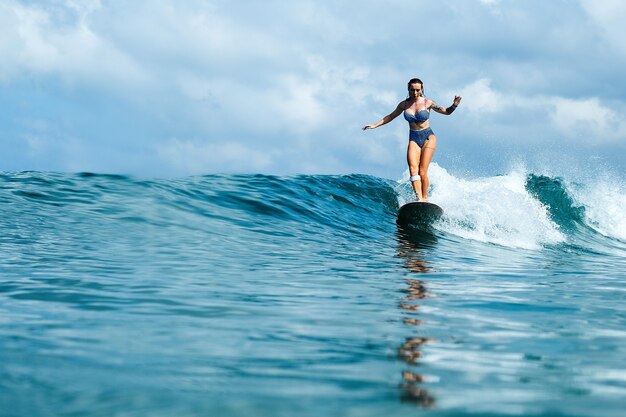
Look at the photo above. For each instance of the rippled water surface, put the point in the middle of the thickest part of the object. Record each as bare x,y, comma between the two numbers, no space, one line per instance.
282,296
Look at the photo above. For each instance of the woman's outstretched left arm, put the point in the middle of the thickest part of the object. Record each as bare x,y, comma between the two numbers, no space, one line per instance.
436,107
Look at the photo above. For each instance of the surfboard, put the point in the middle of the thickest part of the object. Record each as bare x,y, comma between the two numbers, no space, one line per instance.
419,214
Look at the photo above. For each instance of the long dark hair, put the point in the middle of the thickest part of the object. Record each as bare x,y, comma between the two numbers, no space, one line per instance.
415,81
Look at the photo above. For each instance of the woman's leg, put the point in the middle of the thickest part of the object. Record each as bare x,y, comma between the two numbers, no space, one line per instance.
426,156
413,154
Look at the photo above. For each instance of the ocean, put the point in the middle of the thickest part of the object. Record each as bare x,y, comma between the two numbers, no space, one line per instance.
256,295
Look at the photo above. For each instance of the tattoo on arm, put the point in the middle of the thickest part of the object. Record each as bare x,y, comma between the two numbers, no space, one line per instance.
436,107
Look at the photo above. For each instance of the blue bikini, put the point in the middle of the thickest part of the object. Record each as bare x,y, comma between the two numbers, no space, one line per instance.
419,136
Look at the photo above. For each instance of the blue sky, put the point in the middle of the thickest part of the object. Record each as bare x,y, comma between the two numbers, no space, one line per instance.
169,88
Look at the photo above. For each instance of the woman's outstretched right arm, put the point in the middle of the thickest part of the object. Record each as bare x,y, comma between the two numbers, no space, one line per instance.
387,118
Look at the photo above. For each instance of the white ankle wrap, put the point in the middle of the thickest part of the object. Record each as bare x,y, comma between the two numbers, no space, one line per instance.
414,178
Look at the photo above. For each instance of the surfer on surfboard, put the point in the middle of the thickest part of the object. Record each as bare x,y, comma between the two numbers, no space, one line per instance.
422,141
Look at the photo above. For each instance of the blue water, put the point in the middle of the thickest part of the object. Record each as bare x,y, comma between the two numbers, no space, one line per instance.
282,296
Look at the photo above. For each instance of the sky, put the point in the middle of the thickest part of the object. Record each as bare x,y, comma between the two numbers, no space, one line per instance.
168,88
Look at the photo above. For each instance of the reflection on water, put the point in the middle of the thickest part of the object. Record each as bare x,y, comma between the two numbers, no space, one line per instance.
413,247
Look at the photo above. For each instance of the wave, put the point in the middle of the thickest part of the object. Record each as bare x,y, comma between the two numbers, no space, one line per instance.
60,207
518,210
528,210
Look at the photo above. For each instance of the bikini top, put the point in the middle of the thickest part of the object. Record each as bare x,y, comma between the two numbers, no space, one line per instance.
419,117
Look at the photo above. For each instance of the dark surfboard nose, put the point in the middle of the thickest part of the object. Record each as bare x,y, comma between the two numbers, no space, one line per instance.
419,214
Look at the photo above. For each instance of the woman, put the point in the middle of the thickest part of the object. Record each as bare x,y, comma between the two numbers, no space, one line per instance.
422,140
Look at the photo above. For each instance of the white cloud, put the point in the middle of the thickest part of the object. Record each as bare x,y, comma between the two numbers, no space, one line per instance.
324,95
295,104
376,151
609,16
315,16
33,42
478,97
43,142
302,77
167,36
191,157
195,87
571,117
584,116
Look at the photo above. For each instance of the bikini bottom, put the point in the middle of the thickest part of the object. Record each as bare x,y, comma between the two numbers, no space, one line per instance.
420,136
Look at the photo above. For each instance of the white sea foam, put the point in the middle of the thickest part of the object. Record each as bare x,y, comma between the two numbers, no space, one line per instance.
496,210
604,200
